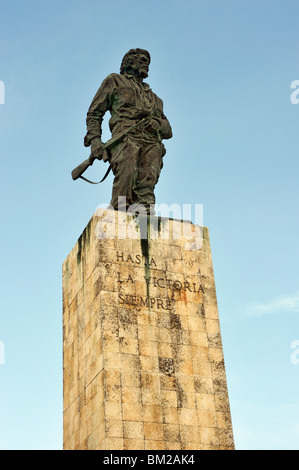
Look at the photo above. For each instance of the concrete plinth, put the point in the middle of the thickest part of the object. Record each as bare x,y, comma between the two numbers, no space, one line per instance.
143,363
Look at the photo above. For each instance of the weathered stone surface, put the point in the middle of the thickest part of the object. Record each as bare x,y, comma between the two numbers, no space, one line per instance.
142,352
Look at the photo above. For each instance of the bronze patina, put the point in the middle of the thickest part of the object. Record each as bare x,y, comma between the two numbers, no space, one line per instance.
138,127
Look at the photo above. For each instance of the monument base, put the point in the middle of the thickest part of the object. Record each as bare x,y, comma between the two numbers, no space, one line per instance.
143,363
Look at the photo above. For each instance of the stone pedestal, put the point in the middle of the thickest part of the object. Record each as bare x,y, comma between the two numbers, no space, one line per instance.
143,364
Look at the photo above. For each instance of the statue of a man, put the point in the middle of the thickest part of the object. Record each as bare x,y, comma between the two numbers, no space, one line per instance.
136,160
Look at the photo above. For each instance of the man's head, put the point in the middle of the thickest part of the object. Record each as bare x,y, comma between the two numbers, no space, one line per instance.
136,62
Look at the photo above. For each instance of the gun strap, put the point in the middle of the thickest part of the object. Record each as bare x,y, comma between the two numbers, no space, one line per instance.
109,169
98,182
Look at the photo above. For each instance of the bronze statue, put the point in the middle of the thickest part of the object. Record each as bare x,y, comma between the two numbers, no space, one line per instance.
138,126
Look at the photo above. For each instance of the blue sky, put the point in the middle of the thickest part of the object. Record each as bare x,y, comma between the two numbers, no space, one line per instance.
224,71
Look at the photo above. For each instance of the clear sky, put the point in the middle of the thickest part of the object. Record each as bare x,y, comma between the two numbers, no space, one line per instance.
224,71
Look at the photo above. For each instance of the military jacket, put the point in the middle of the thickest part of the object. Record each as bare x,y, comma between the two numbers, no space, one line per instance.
128,101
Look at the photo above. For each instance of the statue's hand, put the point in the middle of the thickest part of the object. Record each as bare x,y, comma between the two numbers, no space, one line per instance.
153,125
97,148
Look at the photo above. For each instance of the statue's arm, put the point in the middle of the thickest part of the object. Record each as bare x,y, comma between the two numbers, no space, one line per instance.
165,127
99,105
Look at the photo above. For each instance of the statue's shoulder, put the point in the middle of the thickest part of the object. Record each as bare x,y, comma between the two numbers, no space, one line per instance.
115,80
116,77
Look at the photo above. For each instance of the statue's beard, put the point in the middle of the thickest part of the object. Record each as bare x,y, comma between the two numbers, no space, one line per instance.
137,72
143,74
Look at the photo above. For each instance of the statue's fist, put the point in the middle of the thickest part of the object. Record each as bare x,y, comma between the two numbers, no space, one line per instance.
153,126
97,148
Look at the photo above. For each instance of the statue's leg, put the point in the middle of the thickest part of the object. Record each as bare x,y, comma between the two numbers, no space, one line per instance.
124,166
149,168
